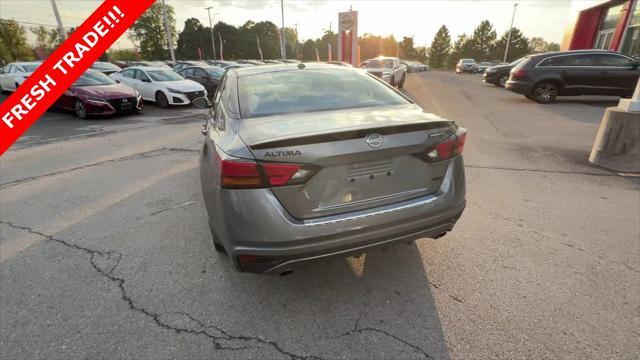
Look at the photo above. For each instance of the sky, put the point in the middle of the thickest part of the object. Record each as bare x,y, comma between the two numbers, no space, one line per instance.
418,18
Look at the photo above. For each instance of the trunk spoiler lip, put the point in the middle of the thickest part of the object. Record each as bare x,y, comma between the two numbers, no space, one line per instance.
349,134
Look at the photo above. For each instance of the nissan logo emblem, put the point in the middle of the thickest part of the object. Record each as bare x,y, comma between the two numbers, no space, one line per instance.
375,140
125,100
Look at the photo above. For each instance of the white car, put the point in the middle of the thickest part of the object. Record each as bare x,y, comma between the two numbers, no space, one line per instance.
389,69
163,86
14,74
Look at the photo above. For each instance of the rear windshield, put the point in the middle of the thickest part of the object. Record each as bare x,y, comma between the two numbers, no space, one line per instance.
93,78
380,63
311,90
164,75
104,66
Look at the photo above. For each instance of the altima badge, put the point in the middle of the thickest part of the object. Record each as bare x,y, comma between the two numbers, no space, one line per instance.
375,140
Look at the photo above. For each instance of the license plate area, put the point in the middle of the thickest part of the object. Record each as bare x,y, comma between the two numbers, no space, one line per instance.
126,106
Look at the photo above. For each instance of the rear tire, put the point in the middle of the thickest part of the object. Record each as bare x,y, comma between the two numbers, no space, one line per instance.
219,248
401,83
545,92
216,242
161,100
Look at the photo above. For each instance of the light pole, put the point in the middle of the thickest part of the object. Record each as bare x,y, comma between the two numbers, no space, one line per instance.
506,49
283,50
296,49
63,35
213,43
167,29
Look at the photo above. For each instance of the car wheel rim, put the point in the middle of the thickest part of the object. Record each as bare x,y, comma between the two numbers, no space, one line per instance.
162,101
546,92
81,111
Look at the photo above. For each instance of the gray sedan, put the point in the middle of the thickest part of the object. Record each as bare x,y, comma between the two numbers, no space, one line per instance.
302,162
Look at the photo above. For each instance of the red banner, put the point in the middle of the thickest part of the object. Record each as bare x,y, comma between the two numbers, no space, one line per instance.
65,65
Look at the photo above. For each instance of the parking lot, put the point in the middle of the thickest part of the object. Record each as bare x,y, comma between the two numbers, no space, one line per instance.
105,250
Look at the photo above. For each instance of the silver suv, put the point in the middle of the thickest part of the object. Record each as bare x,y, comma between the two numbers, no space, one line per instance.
466,66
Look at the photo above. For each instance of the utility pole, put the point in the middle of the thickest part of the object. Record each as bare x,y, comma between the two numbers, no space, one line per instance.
296,49
213,43
63,34
283,44
506,49
167,29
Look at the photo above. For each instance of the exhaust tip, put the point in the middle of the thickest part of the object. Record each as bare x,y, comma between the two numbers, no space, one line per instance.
286,273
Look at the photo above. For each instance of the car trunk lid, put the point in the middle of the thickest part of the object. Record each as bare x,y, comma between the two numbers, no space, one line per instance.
362,158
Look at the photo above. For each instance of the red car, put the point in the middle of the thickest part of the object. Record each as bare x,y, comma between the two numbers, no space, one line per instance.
94,93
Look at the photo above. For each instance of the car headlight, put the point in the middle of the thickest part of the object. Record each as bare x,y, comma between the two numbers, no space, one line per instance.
175,91
95,98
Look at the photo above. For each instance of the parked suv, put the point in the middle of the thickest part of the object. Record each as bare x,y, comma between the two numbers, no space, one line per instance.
543,77
389,69
466,66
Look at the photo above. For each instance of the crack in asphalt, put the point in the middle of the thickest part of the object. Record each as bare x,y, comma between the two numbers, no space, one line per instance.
158,318
359,330
144,154
539,170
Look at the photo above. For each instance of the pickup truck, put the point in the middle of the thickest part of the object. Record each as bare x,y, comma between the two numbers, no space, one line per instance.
389,69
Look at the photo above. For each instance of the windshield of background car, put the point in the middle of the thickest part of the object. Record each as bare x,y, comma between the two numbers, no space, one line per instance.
163,75
93,78
467,61
105,66
380,64
30,67
215,72
311,90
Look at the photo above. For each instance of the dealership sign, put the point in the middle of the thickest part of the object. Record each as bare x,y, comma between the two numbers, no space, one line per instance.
65,65
348,37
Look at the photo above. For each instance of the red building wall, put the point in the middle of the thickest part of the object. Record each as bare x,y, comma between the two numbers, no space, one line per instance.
586,28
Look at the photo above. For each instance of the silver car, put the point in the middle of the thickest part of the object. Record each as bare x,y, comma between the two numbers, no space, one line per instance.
306,161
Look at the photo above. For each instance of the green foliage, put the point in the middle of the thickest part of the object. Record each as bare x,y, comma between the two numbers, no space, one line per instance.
539,45
483,37
518,47
440,47
122,55
407,49
13,43
421,54
192,37
464,47
148,31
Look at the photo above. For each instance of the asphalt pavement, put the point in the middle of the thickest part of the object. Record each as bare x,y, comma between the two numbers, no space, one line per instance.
105,250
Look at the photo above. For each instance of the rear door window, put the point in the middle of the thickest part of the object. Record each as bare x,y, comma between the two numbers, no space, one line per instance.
613,60
128,74
570,60
187,72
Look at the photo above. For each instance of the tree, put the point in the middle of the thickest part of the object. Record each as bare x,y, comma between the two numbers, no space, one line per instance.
421,54
440,47
539,45
148,31
483,37
308,50
464,47
407,51
122,54
191,38
518,47
13,42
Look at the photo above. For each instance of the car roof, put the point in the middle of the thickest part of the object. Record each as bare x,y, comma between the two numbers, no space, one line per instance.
147,68
576,52
263,69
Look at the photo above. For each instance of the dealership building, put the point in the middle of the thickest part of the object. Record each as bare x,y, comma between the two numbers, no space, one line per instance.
611,25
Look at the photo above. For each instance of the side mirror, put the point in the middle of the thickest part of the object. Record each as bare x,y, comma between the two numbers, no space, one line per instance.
635,64
201,103
1,71
146,80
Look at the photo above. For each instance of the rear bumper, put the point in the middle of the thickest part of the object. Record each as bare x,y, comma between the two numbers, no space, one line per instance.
254,223
519,87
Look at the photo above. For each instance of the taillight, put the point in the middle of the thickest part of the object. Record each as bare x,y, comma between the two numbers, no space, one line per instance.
448,148
518,74
252,175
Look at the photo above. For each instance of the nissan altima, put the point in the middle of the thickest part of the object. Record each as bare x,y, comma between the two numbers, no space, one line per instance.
306,161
